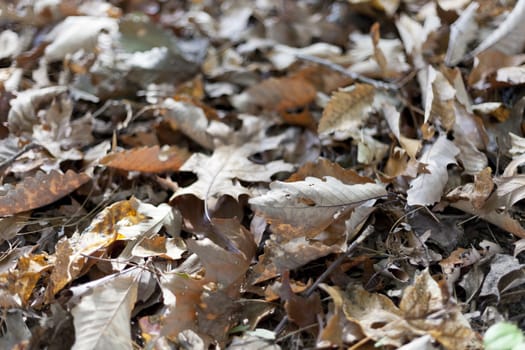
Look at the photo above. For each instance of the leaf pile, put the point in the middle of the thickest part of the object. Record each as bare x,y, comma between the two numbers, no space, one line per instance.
261,174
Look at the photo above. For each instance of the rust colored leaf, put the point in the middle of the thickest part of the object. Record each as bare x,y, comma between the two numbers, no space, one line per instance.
148,159
42,189
288,96
324,167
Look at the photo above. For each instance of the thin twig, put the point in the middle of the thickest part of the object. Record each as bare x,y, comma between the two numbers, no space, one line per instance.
11,159
353,75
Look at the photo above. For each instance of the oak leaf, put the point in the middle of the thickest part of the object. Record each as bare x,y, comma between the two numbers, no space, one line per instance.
42,189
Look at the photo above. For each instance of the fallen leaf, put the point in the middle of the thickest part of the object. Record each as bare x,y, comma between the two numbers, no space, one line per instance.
427,188
204,302
323,167
509,35
347,109
363,55
190,119
128,220
487,63
462,32
392,117
75,33
439,100
294,208
147,159
22,115
23,280
220,174
505,273
423,309
43,189
102,318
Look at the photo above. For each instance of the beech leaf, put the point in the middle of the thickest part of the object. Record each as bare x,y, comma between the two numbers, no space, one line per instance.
102,318
307,207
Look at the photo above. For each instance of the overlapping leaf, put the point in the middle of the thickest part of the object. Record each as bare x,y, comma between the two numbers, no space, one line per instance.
305,208
221,173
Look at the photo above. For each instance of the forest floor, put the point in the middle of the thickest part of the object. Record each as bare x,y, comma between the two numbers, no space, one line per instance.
262,174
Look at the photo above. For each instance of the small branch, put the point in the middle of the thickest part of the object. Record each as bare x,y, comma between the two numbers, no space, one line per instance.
356,76
11,159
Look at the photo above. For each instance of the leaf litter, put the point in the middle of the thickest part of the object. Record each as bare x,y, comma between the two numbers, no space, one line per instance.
260,174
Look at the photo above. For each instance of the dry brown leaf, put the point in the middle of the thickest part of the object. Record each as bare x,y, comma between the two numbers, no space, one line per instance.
303,311
506,272
424,309
42,189
378,53
483,186
221,173
279,256
286,96
364,56
439,100
305,208
22,280
338,329
126,220
190,119
147,159
392,116
347,110
502,220
204,301
324,167
487,63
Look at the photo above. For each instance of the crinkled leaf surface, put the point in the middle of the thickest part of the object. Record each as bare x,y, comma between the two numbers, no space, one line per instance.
126,220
